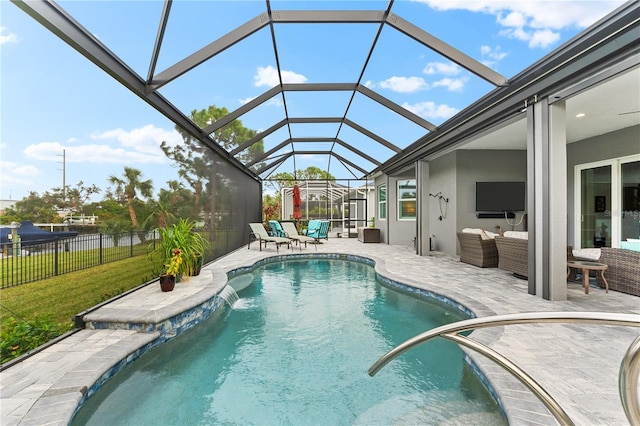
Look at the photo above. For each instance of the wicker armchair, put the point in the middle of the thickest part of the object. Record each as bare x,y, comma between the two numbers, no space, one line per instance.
623,273
476,251
513,255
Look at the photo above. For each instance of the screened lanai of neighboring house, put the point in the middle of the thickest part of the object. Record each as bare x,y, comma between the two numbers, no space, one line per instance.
347,204
363,107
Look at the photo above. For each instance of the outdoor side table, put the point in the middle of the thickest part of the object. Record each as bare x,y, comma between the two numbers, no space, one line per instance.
587,266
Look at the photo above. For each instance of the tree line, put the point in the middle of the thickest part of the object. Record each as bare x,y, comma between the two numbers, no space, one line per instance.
200,190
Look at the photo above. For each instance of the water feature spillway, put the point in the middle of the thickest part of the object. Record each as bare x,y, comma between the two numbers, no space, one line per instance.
229,295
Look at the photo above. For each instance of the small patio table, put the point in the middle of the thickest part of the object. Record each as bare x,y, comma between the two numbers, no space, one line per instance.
587,266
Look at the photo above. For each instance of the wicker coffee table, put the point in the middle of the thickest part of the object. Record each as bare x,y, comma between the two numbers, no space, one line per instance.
587,266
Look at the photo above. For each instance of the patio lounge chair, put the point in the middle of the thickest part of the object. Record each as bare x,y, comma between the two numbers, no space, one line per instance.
259,233
292,232
276,229
318,229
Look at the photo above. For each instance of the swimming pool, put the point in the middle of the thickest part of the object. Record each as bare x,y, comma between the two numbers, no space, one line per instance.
295,349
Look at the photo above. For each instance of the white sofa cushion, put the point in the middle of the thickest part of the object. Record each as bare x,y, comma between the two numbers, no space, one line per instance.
630,244
587,253
522,235
485,235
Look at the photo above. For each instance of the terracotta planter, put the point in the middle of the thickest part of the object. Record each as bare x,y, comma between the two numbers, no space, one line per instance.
167,282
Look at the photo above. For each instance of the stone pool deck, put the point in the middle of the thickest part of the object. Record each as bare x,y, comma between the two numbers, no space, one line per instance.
577,364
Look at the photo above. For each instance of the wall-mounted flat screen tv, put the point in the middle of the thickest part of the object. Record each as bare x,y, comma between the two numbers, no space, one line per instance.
500,196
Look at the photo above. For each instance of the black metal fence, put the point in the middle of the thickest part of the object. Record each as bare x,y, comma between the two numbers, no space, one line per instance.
22,263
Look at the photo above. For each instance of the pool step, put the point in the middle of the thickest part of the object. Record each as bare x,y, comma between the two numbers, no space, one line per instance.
433,408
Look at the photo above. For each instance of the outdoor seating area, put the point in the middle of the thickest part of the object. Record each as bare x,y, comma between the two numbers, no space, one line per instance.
509,252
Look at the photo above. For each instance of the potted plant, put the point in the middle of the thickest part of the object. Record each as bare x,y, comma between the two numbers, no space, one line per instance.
193,245
173,267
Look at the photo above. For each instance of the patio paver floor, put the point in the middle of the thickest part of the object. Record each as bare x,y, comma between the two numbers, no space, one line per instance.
577,364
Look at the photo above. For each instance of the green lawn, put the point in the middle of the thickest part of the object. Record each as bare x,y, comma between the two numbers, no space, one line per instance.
60,298
38,311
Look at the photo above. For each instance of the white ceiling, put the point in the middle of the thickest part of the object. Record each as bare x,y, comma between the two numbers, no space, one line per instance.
610,106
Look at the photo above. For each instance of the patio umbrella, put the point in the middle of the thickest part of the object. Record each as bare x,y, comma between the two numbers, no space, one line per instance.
297,202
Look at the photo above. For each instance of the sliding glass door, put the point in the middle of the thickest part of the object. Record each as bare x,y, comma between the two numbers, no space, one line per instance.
609,202
630,180
595,207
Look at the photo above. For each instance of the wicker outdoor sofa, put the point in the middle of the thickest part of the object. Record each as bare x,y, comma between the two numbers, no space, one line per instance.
477,251
513,255
623,272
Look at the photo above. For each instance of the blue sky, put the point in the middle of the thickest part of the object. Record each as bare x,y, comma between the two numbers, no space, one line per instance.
53,99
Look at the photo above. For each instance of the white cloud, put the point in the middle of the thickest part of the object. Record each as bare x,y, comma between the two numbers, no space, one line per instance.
451,84
446,68
534,21
404,84
543,38
431,110
141,145
145,139
15,174
268,76
512,19
7,38
539,38
90,153
493,53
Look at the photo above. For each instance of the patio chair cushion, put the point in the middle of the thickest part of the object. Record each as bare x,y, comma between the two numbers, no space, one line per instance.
522,235
592,254
484,234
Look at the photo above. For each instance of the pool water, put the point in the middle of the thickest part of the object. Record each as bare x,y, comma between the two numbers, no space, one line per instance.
295,350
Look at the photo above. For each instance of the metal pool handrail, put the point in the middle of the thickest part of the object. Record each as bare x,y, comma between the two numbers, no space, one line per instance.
629,367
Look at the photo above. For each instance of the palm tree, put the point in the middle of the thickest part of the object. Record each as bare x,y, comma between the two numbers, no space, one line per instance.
130,185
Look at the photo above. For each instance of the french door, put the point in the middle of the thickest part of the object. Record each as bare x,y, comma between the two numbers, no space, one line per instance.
607,202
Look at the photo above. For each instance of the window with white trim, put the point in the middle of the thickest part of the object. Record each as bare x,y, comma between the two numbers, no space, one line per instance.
407,199
382,202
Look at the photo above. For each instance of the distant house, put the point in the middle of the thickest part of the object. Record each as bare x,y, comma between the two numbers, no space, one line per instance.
6,204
